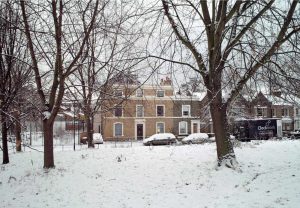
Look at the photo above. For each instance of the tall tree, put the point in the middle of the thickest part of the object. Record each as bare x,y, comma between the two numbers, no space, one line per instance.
108,52
14,67
54,33
227,42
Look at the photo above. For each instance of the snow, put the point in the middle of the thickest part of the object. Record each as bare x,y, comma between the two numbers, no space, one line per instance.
199,95
279,101
160,136
136,176
196,136
70,114
46,115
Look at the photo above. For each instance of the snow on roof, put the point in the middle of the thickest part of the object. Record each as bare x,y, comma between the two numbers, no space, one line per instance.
286,120
278,100
195,96
199,95
71,114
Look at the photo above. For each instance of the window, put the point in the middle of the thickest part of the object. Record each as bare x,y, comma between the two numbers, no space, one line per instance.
186,110
297,124
273,112
118,129
297,112
160,127
286,127
261,111
139,111
160,111
183,127
285,112
139,92
118,93
118,111
160,93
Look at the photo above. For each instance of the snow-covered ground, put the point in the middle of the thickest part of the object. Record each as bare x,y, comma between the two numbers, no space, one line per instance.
161,176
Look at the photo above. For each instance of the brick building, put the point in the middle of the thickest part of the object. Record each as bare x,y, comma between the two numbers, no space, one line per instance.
138,112
270,106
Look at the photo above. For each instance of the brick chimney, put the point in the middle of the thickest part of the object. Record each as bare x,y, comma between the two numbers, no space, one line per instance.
166,81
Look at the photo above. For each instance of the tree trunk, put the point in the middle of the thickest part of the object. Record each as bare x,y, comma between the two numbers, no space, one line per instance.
89,129
48,144
18,131
225,150
4,139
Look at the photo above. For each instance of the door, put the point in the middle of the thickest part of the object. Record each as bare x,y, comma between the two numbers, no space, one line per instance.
140,131
195,126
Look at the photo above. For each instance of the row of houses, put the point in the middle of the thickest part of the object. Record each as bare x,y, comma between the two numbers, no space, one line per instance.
273,105
137,112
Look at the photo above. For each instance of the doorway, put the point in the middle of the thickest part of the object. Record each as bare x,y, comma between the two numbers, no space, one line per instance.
195,126
139,131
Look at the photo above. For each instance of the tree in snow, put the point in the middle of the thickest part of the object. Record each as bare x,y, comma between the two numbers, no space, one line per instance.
109,51
227,42
15,71
57,33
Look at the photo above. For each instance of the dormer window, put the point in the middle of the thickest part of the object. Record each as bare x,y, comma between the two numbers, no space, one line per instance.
160,93
139,92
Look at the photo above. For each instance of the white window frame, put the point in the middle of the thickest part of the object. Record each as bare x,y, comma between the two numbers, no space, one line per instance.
264,111
273,112
189,110
160,91
186,126
163,113
114,129
297,125
115,111
286,112
137,92
136,110
163,125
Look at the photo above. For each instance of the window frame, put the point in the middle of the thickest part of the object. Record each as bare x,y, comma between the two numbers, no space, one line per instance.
136,111
263,111
164,112
285,112
118,107
157,93
273,112
114,129
164,129
189,110
297,112
137,92
186,128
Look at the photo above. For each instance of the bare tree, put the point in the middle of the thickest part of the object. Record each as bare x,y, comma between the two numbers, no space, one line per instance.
227,43
54,33
14,70
110,52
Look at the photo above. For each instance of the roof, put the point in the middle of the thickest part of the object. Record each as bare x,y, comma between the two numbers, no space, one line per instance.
288,101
